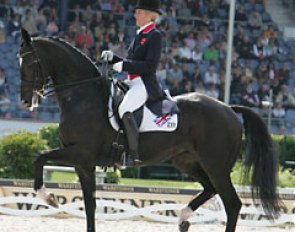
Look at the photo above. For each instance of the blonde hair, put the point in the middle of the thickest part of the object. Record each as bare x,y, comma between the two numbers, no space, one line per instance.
152,14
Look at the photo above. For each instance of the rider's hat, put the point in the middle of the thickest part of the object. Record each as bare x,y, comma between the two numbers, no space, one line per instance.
151,5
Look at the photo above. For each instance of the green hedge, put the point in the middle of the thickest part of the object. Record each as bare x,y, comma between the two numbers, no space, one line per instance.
51,134
17,154
18,151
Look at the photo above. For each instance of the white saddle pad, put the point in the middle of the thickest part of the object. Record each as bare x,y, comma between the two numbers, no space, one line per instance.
150,121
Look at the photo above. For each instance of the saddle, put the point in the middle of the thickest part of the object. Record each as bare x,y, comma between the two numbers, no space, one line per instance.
158,115
149,117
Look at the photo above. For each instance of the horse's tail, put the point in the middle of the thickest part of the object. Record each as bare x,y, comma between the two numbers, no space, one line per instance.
261,160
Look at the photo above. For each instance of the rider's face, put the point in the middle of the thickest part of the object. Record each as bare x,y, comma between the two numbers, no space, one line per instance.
142,17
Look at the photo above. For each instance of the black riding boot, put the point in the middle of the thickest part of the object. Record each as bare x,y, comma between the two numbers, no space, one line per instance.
131,134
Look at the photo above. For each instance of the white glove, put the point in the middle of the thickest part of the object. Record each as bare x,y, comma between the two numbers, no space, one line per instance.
107,55
118,66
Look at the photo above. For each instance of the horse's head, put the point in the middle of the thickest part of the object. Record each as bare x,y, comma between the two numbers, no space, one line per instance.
32,77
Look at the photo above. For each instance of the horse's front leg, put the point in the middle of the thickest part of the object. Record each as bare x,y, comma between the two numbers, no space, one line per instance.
40,161
69,155
87,180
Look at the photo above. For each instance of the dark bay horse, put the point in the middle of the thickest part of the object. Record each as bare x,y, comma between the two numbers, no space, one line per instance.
205,145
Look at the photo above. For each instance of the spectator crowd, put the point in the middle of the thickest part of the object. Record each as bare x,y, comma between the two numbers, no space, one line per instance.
194,46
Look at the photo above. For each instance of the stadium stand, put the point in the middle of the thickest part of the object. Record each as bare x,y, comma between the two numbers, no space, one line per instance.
193,44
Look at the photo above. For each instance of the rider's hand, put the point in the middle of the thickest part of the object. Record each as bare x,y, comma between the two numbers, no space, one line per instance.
118,66
107,55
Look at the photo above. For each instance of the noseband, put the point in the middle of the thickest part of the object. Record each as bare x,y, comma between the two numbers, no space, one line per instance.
39,81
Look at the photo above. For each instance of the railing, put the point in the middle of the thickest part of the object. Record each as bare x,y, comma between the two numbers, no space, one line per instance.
48,171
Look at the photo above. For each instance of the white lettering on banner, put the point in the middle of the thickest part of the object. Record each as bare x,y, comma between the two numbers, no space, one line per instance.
213,213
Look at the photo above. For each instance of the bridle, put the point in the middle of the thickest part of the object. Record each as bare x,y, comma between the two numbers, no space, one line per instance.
39,84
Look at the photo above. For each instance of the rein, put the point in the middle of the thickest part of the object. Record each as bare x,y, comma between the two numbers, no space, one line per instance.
45,92
49,89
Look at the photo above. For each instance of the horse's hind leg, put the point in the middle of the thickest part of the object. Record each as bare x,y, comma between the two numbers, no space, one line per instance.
206,194
195,171
231,201
87,180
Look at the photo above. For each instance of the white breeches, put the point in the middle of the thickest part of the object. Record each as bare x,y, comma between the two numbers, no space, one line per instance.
135,97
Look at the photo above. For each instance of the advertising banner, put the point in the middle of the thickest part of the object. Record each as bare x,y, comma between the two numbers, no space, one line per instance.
117,202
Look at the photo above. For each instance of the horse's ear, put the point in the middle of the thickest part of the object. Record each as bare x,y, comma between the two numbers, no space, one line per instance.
26,36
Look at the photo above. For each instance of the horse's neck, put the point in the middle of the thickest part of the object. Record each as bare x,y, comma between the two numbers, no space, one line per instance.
73,76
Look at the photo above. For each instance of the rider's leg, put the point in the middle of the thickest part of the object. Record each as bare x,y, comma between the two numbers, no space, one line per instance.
134,99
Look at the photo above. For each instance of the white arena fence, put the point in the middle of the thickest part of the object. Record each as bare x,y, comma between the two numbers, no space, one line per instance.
118,202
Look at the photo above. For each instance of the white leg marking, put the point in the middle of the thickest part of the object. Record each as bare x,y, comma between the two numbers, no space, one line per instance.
41,193
185,213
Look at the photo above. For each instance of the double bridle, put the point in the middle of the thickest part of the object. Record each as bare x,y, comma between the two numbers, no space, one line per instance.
40,85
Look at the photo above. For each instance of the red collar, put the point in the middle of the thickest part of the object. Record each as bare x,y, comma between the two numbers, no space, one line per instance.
148,28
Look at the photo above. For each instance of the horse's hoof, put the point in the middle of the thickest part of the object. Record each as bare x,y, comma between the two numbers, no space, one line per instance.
51,200
183,227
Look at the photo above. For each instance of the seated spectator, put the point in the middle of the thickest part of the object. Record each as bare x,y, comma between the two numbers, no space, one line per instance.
211,77
245,48
172,25
248,72
97,26
18,8
197,55
183,11
187,86
105,5
238,38
212,10
255,21
271,73
75,26
174,79
180,34
285,97
87,14
41,21
84,38
211,54
259,50
250,97
238,84
14,26
224,4
196,76
212,91
117,7
52,28
29,23
278,110
96,5
161,75
190,41
263,93
204,41
284,74
199,87
173,51
260,71
270,33
241,16
185,53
